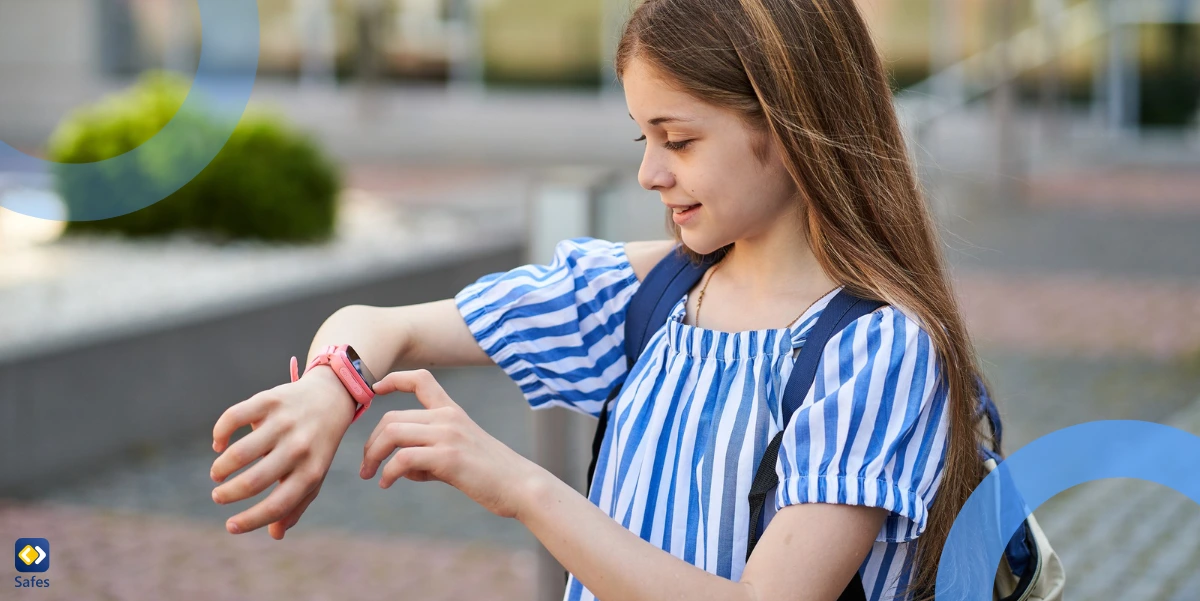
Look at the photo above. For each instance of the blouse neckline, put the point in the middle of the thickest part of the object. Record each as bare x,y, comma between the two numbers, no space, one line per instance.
702,342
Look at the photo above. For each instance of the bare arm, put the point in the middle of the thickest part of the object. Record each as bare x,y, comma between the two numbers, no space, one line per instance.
430,335
809,552
643,256
417,336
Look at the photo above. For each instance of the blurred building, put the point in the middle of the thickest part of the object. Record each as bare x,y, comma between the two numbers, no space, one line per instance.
1151,64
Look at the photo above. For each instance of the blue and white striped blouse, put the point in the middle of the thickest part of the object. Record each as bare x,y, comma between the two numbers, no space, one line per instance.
699,407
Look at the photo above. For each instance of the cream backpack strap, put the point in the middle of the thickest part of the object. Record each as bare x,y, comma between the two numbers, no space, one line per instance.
1050,578
1050,583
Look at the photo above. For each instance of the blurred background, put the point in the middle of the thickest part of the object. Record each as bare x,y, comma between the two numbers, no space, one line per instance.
397,150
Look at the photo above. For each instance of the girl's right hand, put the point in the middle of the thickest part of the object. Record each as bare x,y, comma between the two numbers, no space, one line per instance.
297,429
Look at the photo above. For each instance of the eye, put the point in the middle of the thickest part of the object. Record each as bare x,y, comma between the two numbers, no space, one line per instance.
669,145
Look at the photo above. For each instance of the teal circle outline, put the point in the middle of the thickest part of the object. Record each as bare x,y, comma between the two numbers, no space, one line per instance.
220,92
1060,460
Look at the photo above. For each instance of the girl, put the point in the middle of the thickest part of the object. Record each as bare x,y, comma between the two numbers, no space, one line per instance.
771,138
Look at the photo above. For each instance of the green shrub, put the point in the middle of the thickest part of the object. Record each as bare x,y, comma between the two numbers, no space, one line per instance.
268,182
1170,89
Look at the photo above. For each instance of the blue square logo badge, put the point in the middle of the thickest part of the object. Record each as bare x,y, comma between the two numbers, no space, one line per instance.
32,554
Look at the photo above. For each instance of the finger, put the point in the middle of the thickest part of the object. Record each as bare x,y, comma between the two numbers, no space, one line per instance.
299,511
243,452
272,468
419,382
396,435
247,412
271,509
278,529
418,461
414,416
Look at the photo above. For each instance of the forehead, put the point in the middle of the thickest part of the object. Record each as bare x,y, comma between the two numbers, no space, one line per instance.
649,94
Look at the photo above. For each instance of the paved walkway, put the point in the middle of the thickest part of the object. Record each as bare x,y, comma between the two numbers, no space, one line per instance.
1128,536
103,555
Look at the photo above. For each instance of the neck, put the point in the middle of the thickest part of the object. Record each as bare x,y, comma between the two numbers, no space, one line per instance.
779,262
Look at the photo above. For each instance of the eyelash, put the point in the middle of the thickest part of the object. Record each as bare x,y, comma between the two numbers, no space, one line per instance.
668,145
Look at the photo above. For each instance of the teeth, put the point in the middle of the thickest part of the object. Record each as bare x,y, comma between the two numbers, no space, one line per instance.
678,210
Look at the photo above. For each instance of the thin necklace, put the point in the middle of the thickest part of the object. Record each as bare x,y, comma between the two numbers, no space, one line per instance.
700,299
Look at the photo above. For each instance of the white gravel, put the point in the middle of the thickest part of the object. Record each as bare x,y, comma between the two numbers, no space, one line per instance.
81,290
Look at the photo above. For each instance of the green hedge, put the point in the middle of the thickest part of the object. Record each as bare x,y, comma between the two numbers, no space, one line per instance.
267,183
1170,91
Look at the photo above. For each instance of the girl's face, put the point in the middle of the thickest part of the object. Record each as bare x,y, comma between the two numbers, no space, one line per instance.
700,157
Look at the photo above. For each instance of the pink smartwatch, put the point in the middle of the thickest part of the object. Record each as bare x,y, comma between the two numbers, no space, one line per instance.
350,369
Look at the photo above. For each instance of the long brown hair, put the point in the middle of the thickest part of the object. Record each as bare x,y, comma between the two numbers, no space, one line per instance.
806,74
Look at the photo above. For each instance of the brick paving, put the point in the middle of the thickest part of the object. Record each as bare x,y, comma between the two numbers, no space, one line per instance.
1124,189
1085,316
107,555
1128,539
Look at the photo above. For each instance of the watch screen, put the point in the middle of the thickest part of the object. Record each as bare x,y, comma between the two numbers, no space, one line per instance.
360,367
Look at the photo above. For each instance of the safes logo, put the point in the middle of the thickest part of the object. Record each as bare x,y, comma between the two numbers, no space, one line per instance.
32,555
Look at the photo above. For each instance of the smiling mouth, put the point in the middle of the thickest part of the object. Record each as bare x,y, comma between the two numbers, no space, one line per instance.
681,210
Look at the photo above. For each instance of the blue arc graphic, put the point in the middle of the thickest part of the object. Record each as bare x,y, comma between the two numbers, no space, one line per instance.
220,91
1047,466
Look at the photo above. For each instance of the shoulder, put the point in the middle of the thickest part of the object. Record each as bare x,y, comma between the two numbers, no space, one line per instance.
585,257
580,269
890,334
644,255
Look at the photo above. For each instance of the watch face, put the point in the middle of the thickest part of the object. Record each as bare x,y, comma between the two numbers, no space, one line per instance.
360,367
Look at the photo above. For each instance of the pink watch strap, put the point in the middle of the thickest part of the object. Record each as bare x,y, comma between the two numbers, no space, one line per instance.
322,358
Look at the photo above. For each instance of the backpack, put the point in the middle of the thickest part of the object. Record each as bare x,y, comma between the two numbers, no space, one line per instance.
1030,571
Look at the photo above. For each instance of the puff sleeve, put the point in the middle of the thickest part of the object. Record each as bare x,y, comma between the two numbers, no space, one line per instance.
557,330
872,430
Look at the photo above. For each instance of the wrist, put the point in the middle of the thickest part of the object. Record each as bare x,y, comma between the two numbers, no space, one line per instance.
536,488
342,404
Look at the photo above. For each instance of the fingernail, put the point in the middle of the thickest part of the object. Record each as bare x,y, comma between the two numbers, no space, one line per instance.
216,497
214,445
233,528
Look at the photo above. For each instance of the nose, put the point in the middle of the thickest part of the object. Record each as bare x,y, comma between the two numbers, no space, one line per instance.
654,174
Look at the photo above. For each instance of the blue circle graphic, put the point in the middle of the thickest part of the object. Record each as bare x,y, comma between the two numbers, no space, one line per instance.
224,80
1045,467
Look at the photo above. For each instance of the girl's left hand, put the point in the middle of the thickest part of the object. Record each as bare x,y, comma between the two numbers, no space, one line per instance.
442,443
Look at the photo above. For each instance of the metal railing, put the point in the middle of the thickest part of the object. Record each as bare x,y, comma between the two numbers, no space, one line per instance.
1059,29
566,203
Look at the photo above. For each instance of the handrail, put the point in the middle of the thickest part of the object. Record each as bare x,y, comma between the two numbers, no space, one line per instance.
1028,49
1023,52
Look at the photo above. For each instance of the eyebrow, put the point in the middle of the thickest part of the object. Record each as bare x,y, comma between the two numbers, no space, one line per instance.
661,120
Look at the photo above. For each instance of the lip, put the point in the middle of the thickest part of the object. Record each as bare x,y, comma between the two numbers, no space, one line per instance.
677,206
684,217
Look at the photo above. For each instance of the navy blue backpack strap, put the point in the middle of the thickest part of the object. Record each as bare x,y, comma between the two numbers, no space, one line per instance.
844,309
666,283
841,311
988,407
648,310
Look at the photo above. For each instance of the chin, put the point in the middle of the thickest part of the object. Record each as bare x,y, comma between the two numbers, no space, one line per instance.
700,243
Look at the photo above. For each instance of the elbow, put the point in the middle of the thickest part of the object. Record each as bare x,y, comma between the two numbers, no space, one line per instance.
749,593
